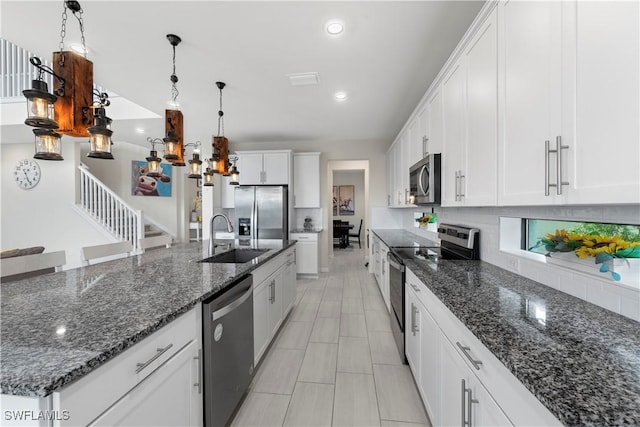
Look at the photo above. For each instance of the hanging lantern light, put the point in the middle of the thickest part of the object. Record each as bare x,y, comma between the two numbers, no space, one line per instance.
234,174
208,177
195,164
171,145
48,146
153,161
100,140
39,100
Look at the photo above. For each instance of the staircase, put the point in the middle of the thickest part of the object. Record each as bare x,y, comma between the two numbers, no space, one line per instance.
112,213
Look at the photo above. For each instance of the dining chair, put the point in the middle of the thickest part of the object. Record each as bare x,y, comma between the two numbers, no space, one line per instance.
22,267
357,235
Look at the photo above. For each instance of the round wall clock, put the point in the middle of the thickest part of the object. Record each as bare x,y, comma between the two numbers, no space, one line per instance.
27,174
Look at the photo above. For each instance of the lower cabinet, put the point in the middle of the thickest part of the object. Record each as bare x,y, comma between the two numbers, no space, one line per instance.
465,401
307,253
166,398
273,296
384,282
460,381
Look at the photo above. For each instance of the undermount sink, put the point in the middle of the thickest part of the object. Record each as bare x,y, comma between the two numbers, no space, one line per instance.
235,256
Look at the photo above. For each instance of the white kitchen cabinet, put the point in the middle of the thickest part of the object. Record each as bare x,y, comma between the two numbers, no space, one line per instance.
412,331
433,140
530,92
417,133
470,122
465,401
384,275
307,256
306,180
227,193
264,167
604,153
391,176
166,398
377,262
289,286
158,381
273,295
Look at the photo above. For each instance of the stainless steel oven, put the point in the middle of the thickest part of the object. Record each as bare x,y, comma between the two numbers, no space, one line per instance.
424,181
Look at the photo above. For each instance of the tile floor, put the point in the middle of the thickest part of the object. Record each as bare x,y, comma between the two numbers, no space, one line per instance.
334,361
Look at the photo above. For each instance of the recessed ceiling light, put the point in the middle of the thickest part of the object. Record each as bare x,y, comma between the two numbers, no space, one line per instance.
334,27
140,130
340,96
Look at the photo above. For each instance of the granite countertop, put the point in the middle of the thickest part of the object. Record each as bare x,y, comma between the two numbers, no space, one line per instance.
580,360
302,230
57,327
395,238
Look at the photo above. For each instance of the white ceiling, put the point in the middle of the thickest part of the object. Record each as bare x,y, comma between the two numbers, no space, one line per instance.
385,60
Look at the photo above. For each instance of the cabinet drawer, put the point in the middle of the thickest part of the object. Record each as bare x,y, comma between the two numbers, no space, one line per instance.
90,396
305,237
261,273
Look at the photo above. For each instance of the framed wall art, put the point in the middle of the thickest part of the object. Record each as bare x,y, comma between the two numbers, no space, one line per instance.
346,200
143,185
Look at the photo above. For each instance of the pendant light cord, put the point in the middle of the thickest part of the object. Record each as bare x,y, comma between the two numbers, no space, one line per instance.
220,116
174,80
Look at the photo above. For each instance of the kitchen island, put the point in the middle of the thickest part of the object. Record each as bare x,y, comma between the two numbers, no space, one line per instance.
579,360
58,327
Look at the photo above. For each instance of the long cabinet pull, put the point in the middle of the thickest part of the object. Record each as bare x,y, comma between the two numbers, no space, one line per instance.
465,349
470,401
413,319
463,418
198,358
415,288
461,194
456,186
559,148
547,152
159,352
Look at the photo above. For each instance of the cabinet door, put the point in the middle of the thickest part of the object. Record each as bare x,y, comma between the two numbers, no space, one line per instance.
306,180
276,168
307,262
250,167
417,132
454,111
435,136
605,151
412,324
167,397
430,374
391,176
465,401
227,193
261,303
276,305
480,180
530,92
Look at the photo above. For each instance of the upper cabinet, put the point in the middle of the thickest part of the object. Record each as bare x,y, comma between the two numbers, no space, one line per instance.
571,132
264,167
538,105
306,180
470,113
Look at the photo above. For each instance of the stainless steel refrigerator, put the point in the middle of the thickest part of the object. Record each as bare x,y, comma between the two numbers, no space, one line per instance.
262,212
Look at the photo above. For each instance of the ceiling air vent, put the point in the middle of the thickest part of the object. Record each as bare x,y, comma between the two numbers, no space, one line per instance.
303,79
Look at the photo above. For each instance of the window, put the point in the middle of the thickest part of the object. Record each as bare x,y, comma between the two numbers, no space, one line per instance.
542,236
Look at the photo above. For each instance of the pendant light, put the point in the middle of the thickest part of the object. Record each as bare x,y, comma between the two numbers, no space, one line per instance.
220,142
195,164
100,140
48,146
39,100
234,173
173,145
208,176
153,161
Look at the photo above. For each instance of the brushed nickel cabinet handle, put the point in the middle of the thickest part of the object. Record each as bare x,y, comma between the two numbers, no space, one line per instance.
199,361
559,148
159,352
465,349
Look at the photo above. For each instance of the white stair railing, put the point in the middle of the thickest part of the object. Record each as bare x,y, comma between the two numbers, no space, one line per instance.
109,210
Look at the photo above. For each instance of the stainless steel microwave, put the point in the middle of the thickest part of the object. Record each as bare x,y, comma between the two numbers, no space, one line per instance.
424,181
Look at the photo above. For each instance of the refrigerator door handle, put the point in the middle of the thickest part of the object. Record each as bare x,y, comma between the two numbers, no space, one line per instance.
254,220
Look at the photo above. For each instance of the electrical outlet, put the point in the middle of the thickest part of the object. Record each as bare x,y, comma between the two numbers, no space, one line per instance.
513,264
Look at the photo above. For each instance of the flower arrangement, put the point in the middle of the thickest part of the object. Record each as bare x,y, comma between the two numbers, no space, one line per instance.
603,248
426,219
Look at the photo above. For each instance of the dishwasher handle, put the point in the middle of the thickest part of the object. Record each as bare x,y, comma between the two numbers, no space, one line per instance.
395,262
232,298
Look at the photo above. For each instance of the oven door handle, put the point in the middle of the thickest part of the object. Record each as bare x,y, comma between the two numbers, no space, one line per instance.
394,262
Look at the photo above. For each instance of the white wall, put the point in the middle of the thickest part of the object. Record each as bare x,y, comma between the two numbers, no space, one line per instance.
45,215
170,212
597,290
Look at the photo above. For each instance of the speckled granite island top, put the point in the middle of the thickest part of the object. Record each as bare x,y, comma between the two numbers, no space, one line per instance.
581,361
57,327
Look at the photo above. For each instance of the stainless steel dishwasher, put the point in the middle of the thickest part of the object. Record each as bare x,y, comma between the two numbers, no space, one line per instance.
228,351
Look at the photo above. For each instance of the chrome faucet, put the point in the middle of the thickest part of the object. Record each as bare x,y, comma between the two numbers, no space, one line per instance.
212,247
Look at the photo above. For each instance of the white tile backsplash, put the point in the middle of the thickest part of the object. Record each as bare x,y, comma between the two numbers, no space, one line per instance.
602,292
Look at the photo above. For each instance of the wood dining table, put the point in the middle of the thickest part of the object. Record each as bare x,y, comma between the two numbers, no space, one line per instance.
341,230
